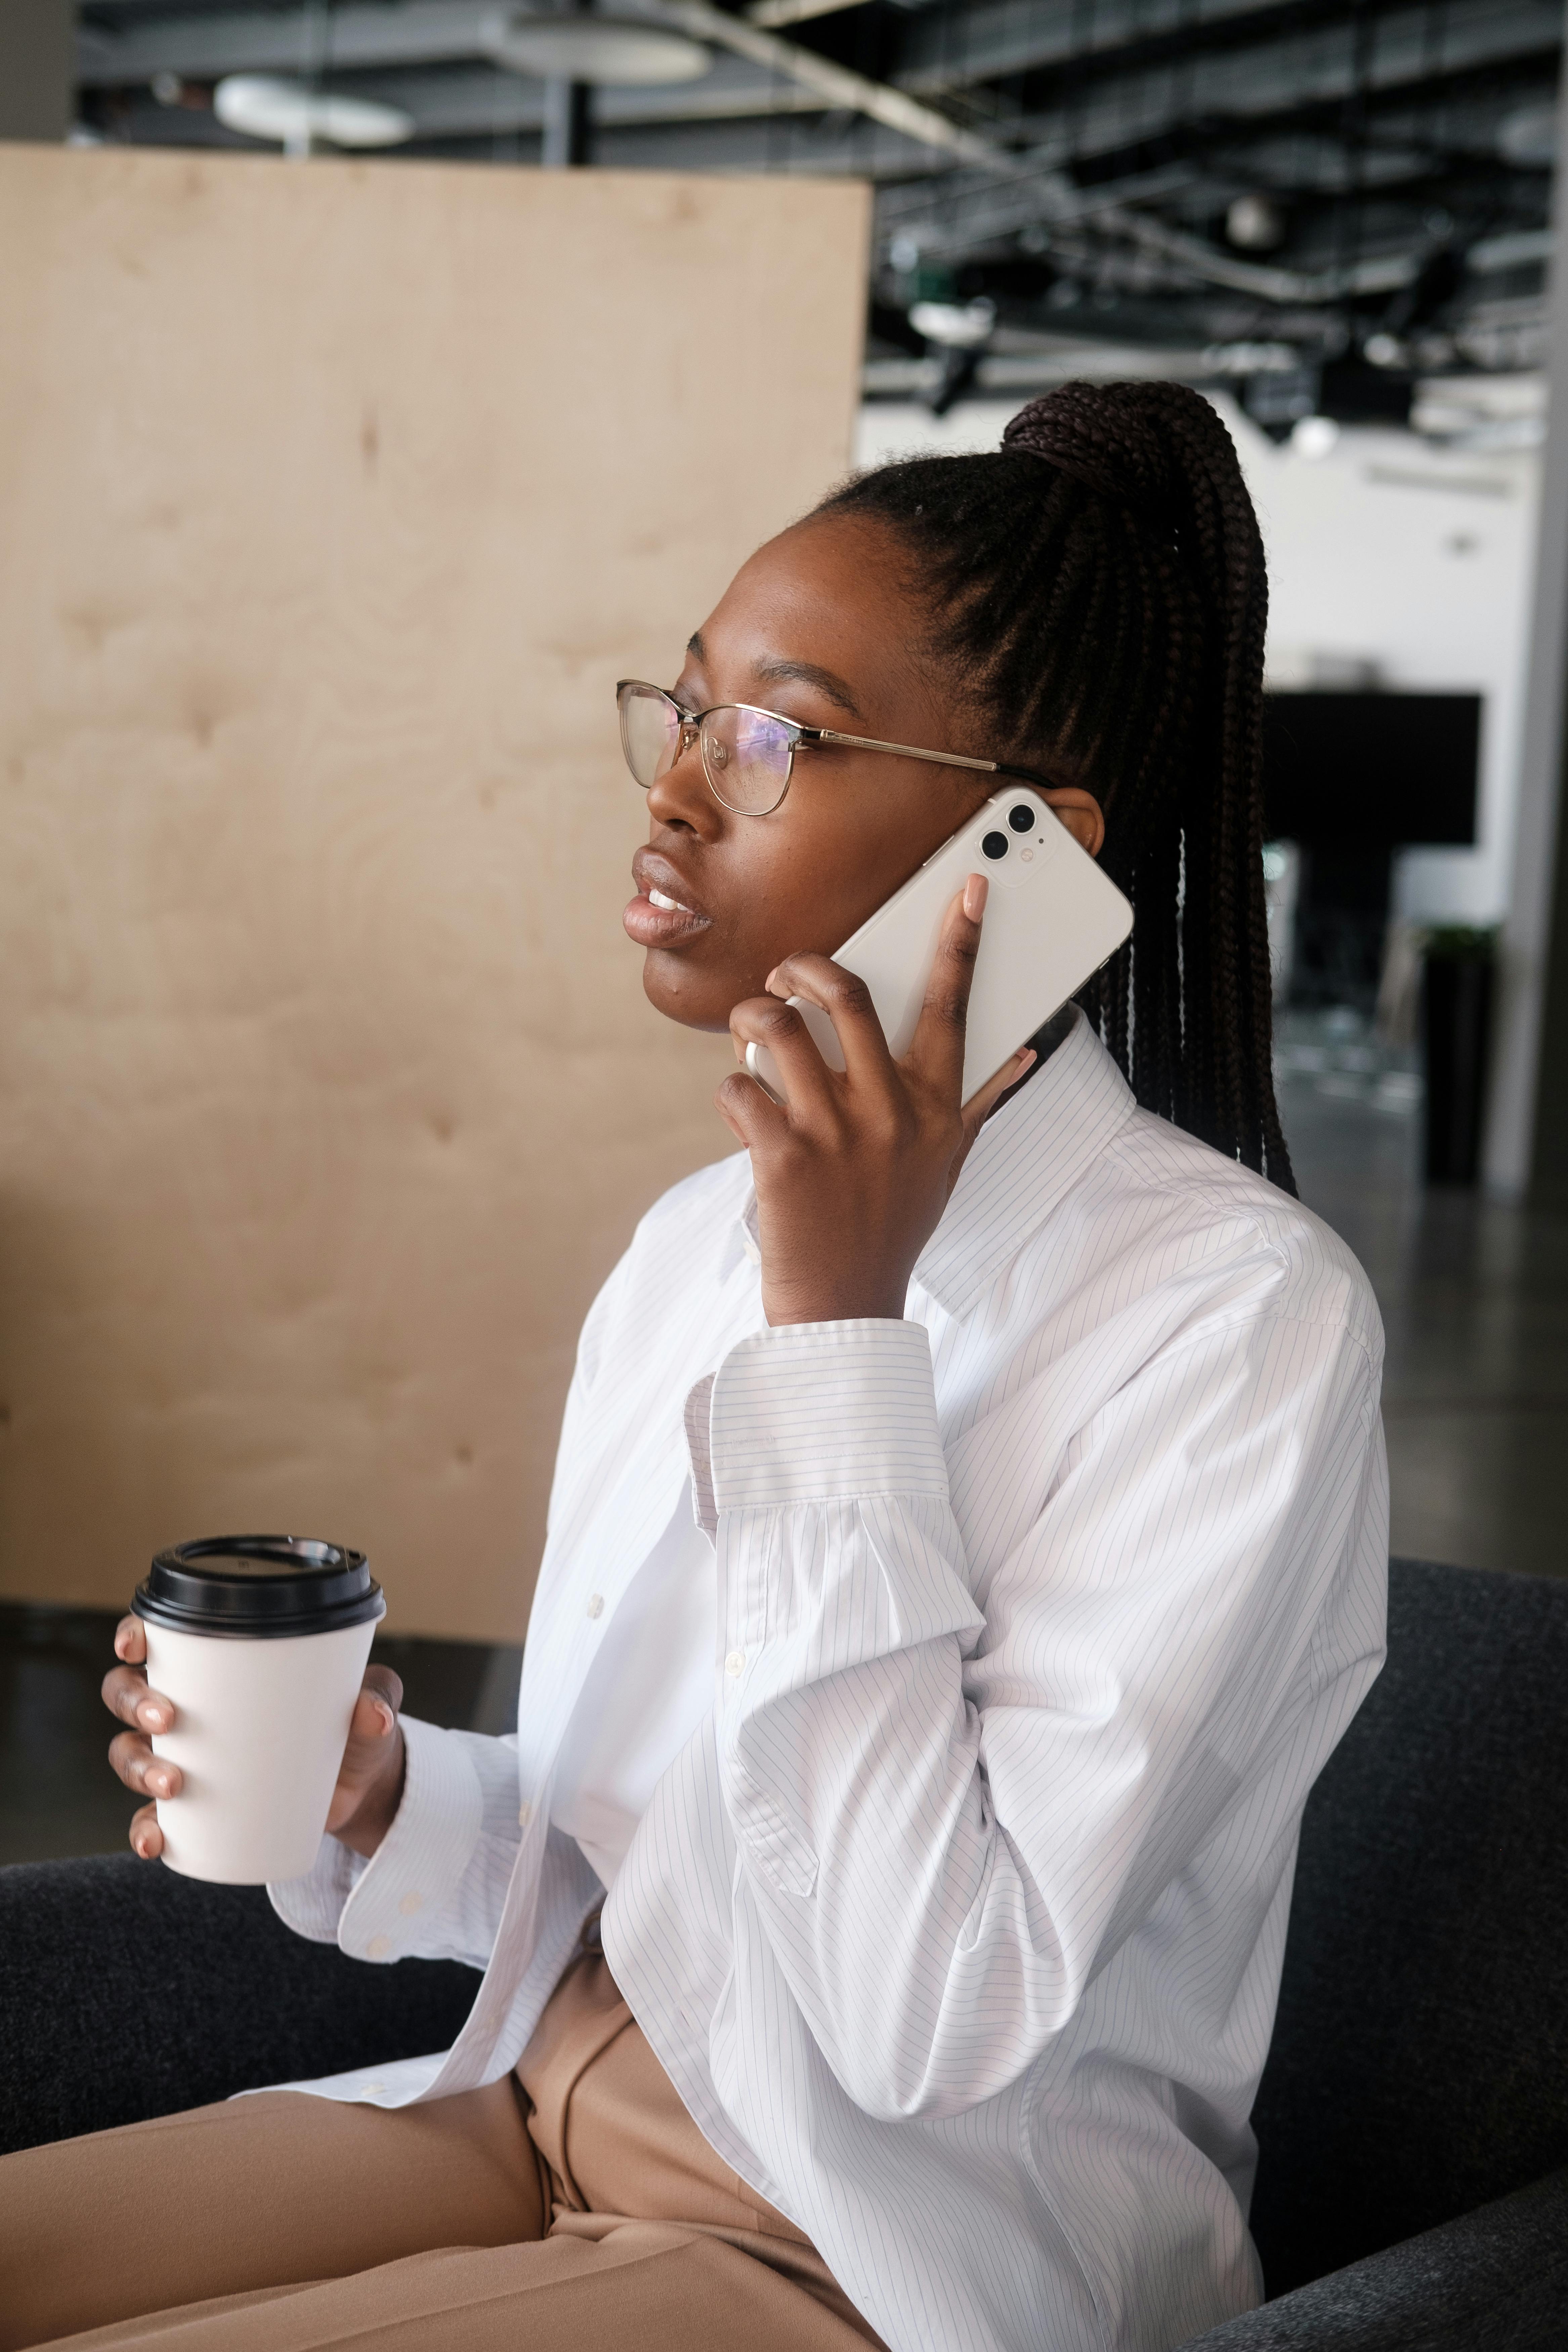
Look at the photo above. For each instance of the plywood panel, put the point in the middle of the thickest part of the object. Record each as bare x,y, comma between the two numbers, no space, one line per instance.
333,498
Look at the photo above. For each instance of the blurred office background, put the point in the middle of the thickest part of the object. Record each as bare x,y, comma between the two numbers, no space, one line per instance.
1335,219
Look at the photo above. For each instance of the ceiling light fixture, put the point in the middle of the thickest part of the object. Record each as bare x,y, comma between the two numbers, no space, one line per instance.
261,106
633,53
1527,137
1314,436
965,326
1255,223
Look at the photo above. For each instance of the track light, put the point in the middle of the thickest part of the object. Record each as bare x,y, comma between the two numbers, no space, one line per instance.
630,51
263,107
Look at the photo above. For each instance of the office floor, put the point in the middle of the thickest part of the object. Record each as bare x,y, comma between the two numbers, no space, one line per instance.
1475,1309
1475,1304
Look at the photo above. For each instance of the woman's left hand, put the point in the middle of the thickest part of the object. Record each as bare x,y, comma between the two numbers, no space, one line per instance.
854,1172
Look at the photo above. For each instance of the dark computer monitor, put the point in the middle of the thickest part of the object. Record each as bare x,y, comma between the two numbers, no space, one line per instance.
1385,770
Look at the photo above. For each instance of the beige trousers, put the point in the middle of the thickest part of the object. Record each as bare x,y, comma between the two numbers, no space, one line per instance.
577,2206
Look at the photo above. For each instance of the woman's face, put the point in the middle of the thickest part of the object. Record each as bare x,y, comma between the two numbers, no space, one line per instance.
816,627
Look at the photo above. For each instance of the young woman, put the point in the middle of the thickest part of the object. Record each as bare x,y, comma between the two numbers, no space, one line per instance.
967,1544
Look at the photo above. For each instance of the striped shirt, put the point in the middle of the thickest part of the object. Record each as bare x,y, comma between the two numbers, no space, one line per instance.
958,1919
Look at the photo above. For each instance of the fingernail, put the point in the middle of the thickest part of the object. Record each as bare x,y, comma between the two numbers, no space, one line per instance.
387,1719
975,891
1026,1055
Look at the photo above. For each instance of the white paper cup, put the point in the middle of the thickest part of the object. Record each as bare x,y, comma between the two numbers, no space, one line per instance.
260,1643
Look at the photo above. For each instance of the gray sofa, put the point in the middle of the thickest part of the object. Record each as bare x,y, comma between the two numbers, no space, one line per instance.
1412,2188
1413,2117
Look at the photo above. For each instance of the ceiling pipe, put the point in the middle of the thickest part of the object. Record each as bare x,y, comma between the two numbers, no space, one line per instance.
835,83
1058,198
771,13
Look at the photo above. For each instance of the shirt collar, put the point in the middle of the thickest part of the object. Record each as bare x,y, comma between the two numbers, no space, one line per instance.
1026,1158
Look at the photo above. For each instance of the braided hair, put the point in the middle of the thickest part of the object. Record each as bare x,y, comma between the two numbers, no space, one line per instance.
1097,587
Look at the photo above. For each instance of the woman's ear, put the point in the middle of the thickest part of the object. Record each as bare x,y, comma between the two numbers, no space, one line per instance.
1080,812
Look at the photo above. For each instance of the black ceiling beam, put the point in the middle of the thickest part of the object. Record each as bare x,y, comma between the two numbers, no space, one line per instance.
1325,68
1256,93
954,47
1006,42
1391,139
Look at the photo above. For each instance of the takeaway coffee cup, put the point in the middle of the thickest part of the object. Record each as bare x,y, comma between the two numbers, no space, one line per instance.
260,1642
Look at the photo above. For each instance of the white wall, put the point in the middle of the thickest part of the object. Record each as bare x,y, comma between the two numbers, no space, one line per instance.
1427,577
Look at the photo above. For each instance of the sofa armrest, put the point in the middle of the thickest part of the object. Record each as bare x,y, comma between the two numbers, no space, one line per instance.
126,1991
1496,2278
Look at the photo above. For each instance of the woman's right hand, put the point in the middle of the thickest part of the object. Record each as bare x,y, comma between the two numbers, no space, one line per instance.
370,1778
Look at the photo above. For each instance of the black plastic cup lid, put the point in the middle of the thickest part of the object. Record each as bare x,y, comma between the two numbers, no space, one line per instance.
259,1588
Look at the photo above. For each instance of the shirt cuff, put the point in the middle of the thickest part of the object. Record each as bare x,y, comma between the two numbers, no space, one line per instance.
818,1412
313,1906
419,1863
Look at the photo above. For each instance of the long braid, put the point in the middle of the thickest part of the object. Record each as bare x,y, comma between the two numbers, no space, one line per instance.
1097,587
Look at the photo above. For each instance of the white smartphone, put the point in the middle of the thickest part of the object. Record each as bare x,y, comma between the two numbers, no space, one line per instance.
1051,920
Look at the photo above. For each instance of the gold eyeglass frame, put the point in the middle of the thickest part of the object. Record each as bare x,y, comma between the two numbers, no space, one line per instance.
802,737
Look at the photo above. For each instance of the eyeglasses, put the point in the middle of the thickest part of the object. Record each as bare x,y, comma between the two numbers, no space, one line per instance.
748,755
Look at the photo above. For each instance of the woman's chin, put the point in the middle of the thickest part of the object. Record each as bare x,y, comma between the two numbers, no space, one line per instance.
673,988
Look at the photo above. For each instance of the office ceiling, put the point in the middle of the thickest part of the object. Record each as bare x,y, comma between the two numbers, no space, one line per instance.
1323,200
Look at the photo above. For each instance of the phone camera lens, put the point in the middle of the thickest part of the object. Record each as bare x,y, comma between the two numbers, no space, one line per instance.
994,844
1021,819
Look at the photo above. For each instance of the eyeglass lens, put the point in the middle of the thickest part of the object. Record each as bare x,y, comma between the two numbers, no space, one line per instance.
651,733
746,754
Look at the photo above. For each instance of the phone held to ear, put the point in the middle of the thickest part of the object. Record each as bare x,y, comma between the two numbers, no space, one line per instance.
1052,919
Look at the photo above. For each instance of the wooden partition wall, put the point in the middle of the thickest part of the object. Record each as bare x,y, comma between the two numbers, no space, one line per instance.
333,499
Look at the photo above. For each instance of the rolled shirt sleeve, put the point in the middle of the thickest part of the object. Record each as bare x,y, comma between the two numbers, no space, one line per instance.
950,1819
435,1887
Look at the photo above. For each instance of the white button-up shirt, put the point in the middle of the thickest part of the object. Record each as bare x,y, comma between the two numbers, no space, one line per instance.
958,1920
650,1688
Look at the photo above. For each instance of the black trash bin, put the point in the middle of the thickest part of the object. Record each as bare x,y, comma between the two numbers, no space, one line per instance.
1456,1021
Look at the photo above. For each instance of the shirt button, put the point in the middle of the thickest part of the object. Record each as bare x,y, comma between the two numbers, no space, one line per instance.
379,1947
413,1901
735,1664
596,1604
524,1814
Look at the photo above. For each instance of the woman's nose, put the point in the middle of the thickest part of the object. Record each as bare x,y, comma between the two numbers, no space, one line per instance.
681,796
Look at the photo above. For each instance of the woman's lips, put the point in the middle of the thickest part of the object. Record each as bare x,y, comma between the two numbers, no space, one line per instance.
657,920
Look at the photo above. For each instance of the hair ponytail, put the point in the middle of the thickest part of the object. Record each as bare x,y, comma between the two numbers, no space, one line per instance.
1098,587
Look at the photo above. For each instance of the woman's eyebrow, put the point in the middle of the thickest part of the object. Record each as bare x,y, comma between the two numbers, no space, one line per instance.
827,681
